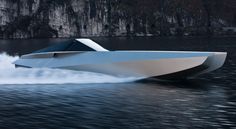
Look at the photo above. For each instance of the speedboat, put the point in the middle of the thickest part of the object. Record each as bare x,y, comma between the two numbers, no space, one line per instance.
87,55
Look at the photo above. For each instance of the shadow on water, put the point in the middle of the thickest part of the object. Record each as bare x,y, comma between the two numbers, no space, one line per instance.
197,83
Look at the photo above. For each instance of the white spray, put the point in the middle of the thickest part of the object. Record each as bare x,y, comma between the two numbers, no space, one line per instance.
10,75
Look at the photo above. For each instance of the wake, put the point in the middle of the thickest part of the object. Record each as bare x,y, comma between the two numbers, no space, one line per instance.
10,75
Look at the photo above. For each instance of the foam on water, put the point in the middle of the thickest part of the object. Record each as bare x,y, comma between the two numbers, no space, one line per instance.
10,75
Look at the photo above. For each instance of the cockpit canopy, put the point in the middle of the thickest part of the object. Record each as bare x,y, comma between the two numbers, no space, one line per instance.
74,45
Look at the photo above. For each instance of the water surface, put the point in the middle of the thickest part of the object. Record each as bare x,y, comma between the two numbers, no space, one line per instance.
44,98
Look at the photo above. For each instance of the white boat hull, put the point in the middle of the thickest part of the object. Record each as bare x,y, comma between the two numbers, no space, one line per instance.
143,64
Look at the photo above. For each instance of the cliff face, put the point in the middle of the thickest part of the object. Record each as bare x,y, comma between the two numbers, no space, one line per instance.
75,18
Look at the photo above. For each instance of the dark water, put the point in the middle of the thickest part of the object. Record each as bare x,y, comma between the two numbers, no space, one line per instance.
206,102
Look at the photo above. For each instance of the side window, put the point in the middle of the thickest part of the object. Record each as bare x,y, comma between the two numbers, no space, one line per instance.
71,45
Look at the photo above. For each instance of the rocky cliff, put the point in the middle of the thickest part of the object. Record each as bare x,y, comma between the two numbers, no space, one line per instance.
75,18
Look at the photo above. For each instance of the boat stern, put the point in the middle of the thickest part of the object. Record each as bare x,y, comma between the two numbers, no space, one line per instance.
214,62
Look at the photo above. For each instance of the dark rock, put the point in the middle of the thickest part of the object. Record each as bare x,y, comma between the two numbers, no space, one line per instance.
76,18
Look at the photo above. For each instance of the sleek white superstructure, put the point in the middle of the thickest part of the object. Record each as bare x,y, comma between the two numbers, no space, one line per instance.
86,55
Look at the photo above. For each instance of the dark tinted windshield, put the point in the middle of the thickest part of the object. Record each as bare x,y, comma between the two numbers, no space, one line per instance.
70,45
